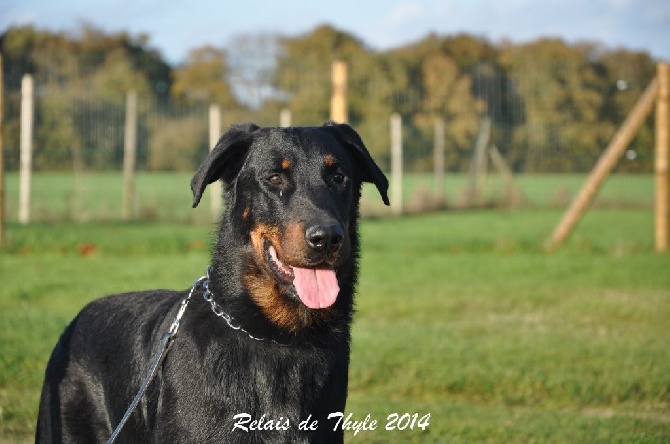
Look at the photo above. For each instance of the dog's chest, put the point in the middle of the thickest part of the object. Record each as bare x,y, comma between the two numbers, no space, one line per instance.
266,389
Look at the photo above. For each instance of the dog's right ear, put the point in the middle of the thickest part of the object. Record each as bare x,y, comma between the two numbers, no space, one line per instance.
225,160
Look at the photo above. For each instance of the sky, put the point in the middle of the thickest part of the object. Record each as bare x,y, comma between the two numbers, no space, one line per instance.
175,26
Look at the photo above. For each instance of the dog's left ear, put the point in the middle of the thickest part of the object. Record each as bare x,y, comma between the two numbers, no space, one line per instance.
225,160
369,169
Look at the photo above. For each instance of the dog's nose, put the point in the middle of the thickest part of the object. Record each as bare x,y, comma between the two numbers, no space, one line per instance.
324,238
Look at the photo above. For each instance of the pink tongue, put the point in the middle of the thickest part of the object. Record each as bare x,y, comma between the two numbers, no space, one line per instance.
317,287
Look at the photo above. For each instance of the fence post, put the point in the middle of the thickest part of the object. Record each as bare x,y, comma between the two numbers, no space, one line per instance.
438,159
477,173
338,101
285,117
27,115
514,192
2,156
129,155
396,164
661,159
604,165
216,191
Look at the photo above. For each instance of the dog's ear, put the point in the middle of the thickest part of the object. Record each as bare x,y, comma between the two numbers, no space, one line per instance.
370,172
225,160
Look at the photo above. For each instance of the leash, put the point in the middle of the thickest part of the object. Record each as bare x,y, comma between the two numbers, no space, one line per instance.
168,338
166,342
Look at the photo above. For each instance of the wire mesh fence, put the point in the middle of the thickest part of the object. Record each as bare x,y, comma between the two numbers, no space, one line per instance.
543,118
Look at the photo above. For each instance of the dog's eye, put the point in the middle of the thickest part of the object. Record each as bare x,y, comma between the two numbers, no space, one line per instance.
275,180
338,178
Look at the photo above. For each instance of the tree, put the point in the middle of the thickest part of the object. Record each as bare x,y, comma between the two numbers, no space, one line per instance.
81,80
97,48
303,72
434,85
560,87
625,75
468,51
554,106
447,95
203,78
252,62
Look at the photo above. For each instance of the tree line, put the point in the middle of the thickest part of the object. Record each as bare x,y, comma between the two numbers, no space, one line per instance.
554,105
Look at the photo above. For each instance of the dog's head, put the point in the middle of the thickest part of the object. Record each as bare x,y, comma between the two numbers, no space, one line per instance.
292,196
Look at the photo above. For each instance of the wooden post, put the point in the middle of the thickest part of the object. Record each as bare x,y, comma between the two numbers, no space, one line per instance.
513,190
285,117
2,157
438,159
27,115
661,159
396,164
477,173
216,190
338,101
604,166
129,156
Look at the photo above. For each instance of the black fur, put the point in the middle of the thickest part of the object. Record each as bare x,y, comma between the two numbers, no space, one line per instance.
295,189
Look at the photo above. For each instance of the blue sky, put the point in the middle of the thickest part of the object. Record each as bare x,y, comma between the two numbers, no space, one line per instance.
175,26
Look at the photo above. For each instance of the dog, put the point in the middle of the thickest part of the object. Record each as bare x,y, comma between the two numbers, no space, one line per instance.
265,357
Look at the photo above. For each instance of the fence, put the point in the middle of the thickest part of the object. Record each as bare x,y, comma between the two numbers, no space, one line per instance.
79,132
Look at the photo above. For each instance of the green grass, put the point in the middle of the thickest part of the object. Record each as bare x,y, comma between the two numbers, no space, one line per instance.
460,314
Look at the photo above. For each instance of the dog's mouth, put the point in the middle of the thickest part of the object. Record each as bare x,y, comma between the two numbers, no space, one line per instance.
317,287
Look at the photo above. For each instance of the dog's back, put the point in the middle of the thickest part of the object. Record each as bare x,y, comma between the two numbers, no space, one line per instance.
96,364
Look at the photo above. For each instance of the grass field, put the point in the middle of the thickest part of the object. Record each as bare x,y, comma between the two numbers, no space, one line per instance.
460,314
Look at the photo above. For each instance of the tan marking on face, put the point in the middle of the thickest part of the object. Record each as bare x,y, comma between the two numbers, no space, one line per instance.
245,213
265,292
285,164
294,244
329,160
259,234
285,311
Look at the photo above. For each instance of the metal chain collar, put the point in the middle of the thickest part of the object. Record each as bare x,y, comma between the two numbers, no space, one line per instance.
217,310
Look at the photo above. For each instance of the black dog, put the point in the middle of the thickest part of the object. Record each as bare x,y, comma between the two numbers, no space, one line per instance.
273,364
